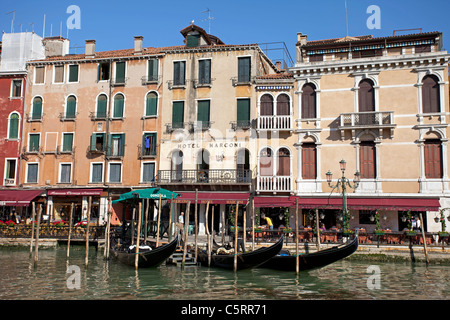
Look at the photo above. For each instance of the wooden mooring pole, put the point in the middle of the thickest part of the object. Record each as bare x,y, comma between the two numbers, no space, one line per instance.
317,229
70,230
297,267
236,237
424,239
186,225
86,258
36,244
138,239
253,224
170,218
33,222
208,235
108,229
195,223
158,222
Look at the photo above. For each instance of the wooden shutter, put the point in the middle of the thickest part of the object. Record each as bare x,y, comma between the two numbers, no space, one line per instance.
284,162
34,142
73,73
39,76
101,106
177,114
179,73
148,174
203,111
120,72
118,106
204,71
367,160
433,159
37,108
192,40
244,72
266,105
65,173
152,104
153,70
366,96
309,161
283,105
97,170
243,112
67,142
308,101
430,95
32,172
59,74
114,172
13,126
71,107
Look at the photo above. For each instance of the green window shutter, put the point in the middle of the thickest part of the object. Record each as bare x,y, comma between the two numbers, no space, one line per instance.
118,106
243,112
110,145
122,144
148,172
193,40
179,73
71,107
204,71
34,142
244,69
13,126
37,109
178,114
93,141
203,112
120,72
67,142
101,106
73,73
153,70
152,104
149,144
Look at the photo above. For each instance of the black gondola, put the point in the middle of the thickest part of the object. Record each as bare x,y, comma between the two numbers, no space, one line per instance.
312,260
147,258
244,260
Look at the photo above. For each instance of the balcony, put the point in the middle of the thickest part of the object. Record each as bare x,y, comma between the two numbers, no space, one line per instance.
379,120
274,184
275,123
207,176
146,153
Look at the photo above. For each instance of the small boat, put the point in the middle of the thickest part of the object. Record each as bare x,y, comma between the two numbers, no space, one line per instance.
148,256
245,260
313,260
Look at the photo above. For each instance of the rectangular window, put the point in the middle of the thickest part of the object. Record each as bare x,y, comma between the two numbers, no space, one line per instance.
103,71
149,144
204,72
36,113
309,161
148,172
116,144
179,73
59,74
16,90
367,160
115,172
73,73
10,172
433,159
98,142
67,142
32,172
177,114
152,70
244,69
120,72
316,58
39,75
96,172
243,113
33,144
203,113
65,170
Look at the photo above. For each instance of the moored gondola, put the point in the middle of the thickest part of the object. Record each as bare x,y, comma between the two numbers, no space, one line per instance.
312,260
244,260
148,256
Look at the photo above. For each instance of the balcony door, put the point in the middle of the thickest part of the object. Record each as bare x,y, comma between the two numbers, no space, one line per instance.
177,166
243,166
366,102
203,165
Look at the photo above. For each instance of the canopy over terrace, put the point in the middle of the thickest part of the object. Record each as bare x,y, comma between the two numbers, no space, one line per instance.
18,198
215,197
150,193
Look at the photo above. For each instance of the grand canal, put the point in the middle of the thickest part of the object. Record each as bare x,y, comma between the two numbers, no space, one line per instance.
55,277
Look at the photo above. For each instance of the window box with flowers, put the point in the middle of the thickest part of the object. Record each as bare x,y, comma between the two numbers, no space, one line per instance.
59,223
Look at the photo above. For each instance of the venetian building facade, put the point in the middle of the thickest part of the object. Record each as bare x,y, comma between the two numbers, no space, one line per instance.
382,104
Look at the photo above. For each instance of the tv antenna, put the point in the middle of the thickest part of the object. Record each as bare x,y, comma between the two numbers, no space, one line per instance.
346,17
209,19
12,21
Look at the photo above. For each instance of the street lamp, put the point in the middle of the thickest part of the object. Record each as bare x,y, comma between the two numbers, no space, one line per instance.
344,183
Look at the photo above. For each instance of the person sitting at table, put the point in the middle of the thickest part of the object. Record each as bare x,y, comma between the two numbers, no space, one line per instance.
269,222
322,226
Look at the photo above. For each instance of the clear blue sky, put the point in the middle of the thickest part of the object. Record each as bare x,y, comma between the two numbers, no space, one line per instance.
113,24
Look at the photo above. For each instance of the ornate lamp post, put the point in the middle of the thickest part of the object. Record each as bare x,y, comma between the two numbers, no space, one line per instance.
343,182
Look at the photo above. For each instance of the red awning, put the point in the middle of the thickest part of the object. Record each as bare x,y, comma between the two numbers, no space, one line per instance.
18,198
214,197
74,192
415,204
273,202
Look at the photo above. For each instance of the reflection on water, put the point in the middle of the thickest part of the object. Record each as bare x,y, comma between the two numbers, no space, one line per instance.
110,280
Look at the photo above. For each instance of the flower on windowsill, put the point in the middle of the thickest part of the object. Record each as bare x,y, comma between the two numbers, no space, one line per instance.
82,223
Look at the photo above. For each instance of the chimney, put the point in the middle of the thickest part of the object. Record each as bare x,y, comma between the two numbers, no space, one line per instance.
302,39
90,48
56,46
278,63
138,44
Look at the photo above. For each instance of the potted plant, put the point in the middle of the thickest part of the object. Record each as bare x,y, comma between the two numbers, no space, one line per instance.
378,231
58,223
10,223
443,233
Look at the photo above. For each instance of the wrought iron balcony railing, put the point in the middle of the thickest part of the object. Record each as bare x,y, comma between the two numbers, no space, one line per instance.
275,123
211,176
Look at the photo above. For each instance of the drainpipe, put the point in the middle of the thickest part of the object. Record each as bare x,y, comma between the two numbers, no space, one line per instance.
108,116
19,164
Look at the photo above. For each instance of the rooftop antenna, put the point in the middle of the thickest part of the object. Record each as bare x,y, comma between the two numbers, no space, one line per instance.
346,17
32,27
209,19
12,21
43,29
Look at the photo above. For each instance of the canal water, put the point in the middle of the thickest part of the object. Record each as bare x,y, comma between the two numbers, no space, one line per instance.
343,280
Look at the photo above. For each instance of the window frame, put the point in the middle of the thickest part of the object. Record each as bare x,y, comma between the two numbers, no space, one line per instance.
113,117
142,171
61,164
12,93
63,142
29,141
27,172
248,77
109,171
175,78
309,168
432,172
364,163
146,102
9,126
69,73
32,118
54,74
5,171
91,173
35,75
204,74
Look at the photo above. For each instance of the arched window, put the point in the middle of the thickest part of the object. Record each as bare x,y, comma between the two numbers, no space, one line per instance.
243,166
36,113
309,101
430,94
433,158
203,165
284,163
283,105
118,106
177,165
13,132
266,107
71,107
366,96
151,106
101,106
266,162
367,158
